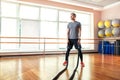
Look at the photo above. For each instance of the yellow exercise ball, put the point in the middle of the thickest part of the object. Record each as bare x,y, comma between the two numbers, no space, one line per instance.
107,23
108,32
116,23
101,24
116,32
101,33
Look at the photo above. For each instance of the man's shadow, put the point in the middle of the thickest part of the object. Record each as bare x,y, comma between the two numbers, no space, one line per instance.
80,74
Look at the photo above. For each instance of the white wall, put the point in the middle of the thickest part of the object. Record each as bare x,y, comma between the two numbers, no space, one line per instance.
112,12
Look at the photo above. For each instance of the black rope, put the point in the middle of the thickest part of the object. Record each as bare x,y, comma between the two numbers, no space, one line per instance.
72,76
62,71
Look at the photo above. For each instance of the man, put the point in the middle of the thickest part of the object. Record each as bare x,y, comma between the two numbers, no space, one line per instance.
73,36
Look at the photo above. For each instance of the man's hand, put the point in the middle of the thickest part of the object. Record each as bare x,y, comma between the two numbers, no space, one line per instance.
67,41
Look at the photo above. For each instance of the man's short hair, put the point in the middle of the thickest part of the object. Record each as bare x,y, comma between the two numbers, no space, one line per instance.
73,14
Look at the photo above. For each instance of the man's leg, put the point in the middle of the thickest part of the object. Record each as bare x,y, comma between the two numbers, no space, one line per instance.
78,47
66,56
69,47
81,56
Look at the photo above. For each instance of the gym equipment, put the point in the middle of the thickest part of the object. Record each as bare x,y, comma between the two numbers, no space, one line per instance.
116,32
116,23
101,24
61,72
108,32
107,23
117,47
101,33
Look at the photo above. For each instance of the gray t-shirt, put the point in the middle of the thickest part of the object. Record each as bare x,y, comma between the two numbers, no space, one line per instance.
73,27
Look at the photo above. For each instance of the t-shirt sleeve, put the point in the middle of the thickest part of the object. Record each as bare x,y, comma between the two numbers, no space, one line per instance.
79,25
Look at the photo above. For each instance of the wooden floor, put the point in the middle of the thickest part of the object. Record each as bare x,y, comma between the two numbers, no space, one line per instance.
97,67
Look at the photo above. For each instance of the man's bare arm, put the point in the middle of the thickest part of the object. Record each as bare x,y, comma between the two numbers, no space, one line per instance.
79,34
68,31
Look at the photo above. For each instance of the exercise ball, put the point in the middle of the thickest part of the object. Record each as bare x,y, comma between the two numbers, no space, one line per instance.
101,33
108,32
116,23
107,23
116,32
101,24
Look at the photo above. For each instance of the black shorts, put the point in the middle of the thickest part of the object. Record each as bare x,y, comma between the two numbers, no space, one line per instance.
73,42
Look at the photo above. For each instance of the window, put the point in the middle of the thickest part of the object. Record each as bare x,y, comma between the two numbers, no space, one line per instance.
62,34
8,9
85,20
8,29
30,29
64,16
49,30
48,14
28,20
29,12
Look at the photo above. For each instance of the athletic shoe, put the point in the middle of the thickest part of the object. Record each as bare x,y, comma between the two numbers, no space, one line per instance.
82,64
65,63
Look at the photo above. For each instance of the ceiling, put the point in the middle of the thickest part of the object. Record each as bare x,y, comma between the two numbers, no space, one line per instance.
95,4
101,3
